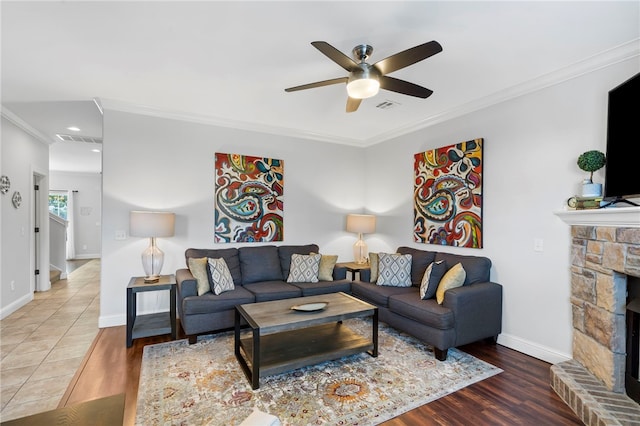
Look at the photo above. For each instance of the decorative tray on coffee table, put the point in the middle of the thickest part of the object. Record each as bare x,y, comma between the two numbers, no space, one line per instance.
310,307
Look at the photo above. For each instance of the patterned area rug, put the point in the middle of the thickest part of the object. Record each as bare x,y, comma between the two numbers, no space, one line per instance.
203,384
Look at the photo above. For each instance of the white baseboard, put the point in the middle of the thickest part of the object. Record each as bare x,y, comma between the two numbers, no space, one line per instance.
87,256
112,320
12,307
532,349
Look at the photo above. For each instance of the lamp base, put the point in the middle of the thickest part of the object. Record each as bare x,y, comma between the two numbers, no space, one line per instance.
152,279
360,251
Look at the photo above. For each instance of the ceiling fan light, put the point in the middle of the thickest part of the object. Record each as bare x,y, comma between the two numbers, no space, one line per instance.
363,88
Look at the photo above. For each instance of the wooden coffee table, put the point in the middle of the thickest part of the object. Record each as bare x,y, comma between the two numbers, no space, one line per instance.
284,339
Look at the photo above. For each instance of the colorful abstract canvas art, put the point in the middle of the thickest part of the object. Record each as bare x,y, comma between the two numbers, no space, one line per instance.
447,204
248,199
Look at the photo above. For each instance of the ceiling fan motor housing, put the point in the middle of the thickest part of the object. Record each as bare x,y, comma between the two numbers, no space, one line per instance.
364,81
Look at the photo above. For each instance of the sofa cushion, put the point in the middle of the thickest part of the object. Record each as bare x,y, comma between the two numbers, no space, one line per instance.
427,312
477,268
394,270
304,268
285,252
324,287
420,259
377,294
432,276
209,302
198,267
453,278
221,279
230,256
273,290
260,264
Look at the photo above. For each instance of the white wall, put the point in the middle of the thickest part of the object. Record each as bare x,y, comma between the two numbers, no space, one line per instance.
531,145
87,209
22,156
160,164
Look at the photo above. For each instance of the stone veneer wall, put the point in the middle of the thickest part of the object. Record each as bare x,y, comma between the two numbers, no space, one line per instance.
601,258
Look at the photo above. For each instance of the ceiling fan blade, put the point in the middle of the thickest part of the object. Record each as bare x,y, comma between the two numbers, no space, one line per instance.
335,55
353,104
318,84
408,57
404,87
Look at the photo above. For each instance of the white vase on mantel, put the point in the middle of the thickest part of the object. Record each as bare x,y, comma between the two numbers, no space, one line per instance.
590,189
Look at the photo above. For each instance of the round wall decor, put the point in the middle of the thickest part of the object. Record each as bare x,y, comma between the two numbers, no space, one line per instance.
16,199
5,184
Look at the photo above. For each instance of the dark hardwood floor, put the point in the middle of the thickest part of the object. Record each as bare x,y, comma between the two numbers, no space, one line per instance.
521,395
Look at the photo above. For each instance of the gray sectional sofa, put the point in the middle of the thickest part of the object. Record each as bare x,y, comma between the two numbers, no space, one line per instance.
469,313
259,274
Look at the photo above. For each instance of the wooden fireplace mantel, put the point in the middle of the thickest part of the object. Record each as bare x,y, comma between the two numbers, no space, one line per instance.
620,217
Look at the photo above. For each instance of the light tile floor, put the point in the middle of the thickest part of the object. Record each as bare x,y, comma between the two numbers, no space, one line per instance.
44,342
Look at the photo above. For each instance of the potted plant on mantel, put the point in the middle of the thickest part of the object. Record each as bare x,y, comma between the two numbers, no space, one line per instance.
591,161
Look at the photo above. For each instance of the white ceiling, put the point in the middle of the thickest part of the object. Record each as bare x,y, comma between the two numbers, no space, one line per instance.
228,62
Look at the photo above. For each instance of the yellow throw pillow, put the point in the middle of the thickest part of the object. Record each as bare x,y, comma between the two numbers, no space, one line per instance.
198,268
453,278
327,263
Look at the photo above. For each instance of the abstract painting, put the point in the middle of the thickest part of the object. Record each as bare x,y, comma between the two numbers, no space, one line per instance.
248,199
447,201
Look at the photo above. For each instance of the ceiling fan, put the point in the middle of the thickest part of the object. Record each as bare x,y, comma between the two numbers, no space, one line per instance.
365,80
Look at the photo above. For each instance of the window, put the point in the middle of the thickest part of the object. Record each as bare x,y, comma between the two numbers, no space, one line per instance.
58,203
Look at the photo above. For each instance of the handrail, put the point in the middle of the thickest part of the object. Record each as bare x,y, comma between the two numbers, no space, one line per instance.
56,218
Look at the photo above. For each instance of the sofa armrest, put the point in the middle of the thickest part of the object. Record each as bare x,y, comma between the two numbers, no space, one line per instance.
187,284
339,273
477,310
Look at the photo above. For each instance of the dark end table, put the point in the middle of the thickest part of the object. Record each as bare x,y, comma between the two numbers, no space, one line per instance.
151,324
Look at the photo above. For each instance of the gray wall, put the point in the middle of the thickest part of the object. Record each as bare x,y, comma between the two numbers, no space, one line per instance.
154,163
87,209
531,144
22,156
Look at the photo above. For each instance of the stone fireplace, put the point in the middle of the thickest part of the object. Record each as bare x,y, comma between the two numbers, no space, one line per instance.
605,257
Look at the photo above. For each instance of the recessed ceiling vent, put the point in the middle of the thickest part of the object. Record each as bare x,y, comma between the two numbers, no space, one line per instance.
77,138
387,104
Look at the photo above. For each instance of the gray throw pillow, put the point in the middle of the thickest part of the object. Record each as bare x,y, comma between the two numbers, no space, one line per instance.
304,268
432,276
394,270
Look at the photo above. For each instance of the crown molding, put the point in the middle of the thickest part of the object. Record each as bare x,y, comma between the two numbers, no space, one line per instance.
224,122
623,52
13,118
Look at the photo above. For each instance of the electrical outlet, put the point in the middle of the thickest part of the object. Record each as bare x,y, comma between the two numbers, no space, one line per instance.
121,235
13,285
84,247
538,244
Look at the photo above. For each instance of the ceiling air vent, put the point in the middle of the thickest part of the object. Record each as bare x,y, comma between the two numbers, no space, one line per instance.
76,138
387,104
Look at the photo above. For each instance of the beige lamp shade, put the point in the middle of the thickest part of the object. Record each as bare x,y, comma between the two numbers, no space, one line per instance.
361,223
151,224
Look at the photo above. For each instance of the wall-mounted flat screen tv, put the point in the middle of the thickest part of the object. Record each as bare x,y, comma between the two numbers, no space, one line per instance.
622,172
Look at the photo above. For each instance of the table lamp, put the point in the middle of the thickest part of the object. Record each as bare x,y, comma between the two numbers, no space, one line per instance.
152,225
361,224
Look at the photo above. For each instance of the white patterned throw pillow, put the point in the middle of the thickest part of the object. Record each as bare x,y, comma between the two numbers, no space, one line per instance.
304,268
221,279
394,269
